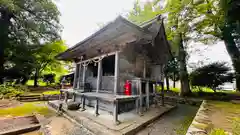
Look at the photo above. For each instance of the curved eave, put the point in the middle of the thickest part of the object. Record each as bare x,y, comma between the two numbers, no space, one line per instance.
120,31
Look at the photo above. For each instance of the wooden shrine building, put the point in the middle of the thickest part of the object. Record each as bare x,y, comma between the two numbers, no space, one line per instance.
119,52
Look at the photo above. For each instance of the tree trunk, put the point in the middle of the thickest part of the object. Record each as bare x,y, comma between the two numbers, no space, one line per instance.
174,80
185,89
167,81
4,25
25,79
36,78
233,52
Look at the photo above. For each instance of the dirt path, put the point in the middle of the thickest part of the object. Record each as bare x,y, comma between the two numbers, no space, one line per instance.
174,123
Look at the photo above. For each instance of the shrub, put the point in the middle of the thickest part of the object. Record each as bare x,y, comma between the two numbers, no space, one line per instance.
12,91
49,78
22,88
211,76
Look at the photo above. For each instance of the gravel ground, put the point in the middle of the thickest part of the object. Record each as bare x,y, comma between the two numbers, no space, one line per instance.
62,126
170,123
78,131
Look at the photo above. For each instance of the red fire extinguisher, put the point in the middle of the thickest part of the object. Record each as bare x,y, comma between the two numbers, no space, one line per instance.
127,88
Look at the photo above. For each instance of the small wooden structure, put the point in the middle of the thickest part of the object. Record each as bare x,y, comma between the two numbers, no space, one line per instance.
118,52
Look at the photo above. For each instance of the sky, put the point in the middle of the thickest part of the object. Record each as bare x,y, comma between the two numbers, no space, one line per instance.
81,18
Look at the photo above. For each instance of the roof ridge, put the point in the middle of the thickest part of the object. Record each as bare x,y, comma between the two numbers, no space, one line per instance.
148,22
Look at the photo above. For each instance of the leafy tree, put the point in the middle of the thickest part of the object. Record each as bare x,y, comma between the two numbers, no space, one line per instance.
69,78
139,15
178,19
179,32
26,22
45,59
219,20
172,71
49,78
211,76
19,63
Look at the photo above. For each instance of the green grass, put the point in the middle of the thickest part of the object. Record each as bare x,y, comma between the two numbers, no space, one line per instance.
235,129
217,132
177,90
27,109
236,126
51,92
194,90
184,124
40,83
230,112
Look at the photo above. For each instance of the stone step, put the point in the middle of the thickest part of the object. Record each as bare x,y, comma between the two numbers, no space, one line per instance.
30,100
25,98
37,95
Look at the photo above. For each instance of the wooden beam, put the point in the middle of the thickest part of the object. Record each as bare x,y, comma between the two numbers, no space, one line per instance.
116,73
104,55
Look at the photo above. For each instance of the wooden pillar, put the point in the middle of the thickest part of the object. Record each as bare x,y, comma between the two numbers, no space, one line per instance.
162,83
144,69
137,104
155,95
83,77
74,97
60,95
115,112
79,77
99,80
140,97
75,77
83,103
162,93
66,97
116,73
147,94
99,76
